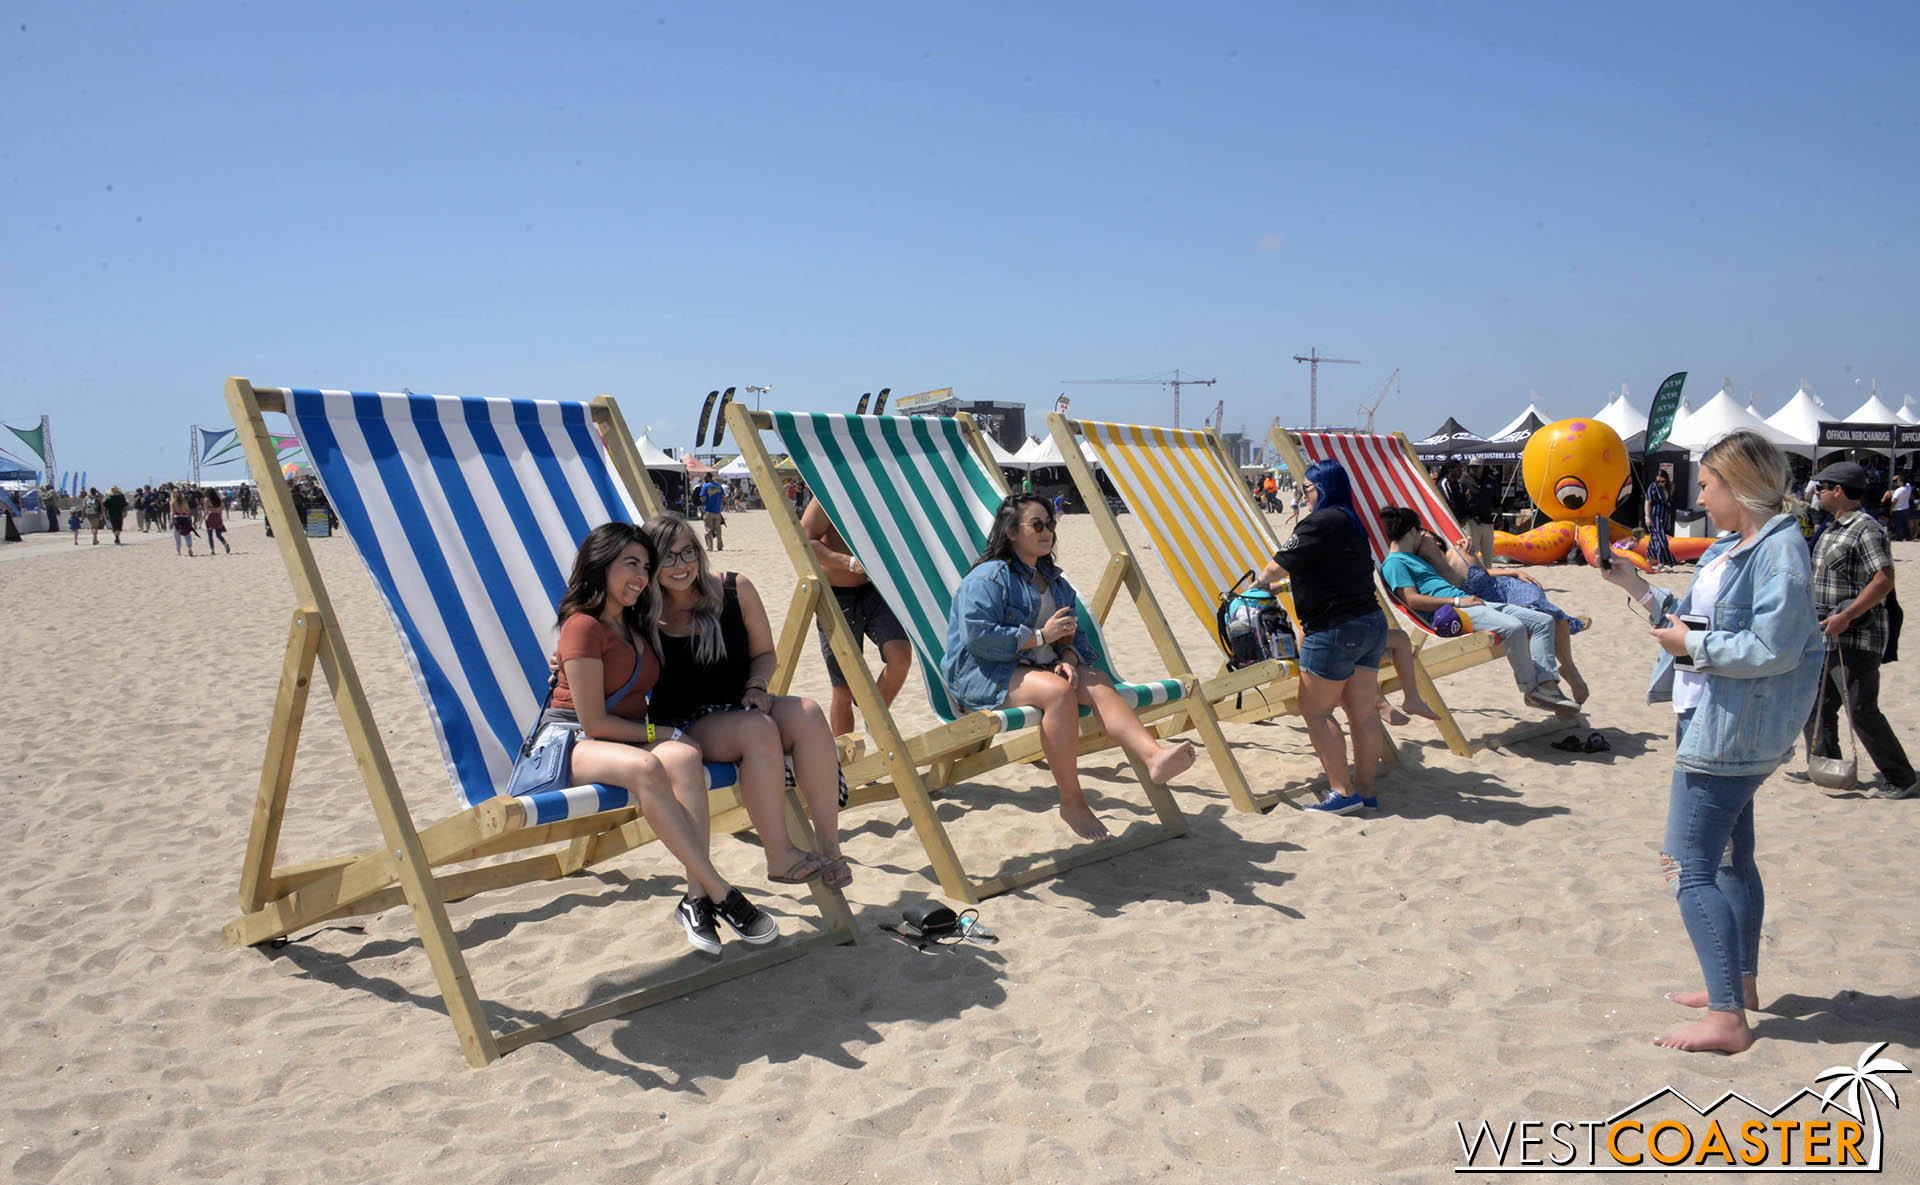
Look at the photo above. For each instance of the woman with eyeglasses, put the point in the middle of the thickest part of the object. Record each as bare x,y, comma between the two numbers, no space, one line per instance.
1013,642
604,668
716,661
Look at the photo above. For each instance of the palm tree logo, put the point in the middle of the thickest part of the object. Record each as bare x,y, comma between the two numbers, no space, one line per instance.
1849,1079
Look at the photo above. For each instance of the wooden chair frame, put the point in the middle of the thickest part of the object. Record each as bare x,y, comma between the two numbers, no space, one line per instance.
911,768
1432,655
1273,690
275,901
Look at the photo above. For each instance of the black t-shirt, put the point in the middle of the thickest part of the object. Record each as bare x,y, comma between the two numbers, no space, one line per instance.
1331,570
686,685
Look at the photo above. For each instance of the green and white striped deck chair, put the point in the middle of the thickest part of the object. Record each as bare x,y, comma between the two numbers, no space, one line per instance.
914,497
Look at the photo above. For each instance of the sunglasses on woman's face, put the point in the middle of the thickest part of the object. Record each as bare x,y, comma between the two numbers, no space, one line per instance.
1037,525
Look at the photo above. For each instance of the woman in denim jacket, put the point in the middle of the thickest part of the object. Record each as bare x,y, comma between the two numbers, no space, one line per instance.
1742,688
1012,642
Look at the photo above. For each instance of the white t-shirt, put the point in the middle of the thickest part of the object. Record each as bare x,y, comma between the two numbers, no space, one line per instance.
1902,496
1688,684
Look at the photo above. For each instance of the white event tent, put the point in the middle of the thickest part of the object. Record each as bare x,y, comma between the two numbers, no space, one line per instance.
1906,412
1044,454
1002,457
1723,414
653,458
1520,421
1622,416
1800,419
734,469
1874,411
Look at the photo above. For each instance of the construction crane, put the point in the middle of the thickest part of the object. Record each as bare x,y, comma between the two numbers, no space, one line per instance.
1313,357
1176,382
1379,397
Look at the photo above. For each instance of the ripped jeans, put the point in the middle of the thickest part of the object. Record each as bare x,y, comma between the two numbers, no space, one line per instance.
1707,857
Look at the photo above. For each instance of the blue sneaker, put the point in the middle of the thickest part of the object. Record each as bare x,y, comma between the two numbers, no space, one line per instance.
1343,804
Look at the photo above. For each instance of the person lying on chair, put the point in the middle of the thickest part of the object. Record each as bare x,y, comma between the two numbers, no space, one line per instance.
1528,634
1011,642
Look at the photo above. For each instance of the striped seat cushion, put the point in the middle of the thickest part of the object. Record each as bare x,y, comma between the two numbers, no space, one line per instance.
915,503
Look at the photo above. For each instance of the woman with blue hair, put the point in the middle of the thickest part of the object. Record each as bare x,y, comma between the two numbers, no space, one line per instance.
1344,634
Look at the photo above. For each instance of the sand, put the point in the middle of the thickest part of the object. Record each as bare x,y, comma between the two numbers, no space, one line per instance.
1280,997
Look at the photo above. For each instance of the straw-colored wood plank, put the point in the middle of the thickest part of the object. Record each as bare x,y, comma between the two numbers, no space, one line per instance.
276,770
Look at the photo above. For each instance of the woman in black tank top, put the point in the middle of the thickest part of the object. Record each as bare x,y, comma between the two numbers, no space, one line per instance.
716,661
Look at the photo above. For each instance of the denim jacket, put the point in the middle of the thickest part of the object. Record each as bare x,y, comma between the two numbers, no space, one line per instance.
1762,657
992,609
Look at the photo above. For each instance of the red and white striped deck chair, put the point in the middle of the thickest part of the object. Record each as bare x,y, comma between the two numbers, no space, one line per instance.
1386,472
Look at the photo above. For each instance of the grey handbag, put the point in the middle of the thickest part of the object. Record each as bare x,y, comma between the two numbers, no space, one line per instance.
1835,773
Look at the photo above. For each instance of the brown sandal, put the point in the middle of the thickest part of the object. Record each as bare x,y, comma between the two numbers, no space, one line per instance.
838,873
808,866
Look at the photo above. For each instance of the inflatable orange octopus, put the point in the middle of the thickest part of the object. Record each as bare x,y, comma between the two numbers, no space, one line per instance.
1577,472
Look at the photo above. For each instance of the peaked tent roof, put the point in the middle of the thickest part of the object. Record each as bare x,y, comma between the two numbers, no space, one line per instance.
652,457
1723,414
1906,412
1451,431
1800,418
1001,456
1540,419
1044,454
1874,411
734,468
1622,416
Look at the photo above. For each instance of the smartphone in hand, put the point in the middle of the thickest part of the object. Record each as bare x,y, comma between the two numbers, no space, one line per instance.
1603,554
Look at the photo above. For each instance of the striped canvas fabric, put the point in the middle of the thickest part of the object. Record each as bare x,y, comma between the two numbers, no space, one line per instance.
1382,476
915,503
1191,504
468,513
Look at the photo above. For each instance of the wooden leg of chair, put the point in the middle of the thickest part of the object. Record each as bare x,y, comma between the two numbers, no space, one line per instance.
276,771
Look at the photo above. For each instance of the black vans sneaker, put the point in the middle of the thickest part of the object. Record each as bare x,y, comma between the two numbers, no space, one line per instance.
695,915
746,919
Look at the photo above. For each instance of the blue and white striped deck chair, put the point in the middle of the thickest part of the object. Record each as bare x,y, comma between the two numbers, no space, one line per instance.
467,514
914,497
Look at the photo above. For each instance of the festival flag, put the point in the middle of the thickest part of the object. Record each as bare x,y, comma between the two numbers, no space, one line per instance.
706,410
36,439
720,420
860,409
1060,404
219,448
880,404
1666,403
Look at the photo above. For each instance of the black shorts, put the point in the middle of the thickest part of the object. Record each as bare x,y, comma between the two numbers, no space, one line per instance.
867,613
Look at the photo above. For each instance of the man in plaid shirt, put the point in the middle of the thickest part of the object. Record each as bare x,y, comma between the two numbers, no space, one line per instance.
1852,575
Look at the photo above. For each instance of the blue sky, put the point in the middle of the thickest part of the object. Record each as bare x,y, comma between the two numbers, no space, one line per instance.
560,200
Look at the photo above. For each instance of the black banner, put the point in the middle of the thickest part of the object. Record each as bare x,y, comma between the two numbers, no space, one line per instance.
706,411
720,418
1835,435
880,404
861,408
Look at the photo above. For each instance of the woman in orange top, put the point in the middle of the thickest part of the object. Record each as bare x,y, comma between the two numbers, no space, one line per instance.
604,648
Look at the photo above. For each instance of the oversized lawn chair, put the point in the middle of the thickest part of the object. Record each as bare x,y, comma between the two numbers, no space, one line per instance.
1181,486
1386,472
467,514
914,497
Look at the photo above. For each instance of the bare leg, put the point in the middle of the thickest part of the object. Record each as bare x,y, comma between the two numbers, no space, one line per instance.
1122,723
1318,698
840,710
1749,990
898,657
1357,699
642,775
1059,737
1563,654
753,740
1400,647
687,774
816,765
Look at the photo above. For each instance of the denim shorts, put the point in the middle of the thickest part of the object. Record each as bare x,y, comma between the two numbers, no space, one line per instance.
1332,654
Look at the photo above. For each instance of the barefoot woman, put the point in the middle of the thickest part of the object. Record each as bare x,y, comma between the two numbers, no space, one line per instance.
1742,687
1011,643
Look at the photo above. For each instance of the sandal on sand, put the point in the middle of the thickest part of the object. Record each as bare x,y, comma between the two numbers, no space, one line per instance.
1571,743
838,873
801,871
